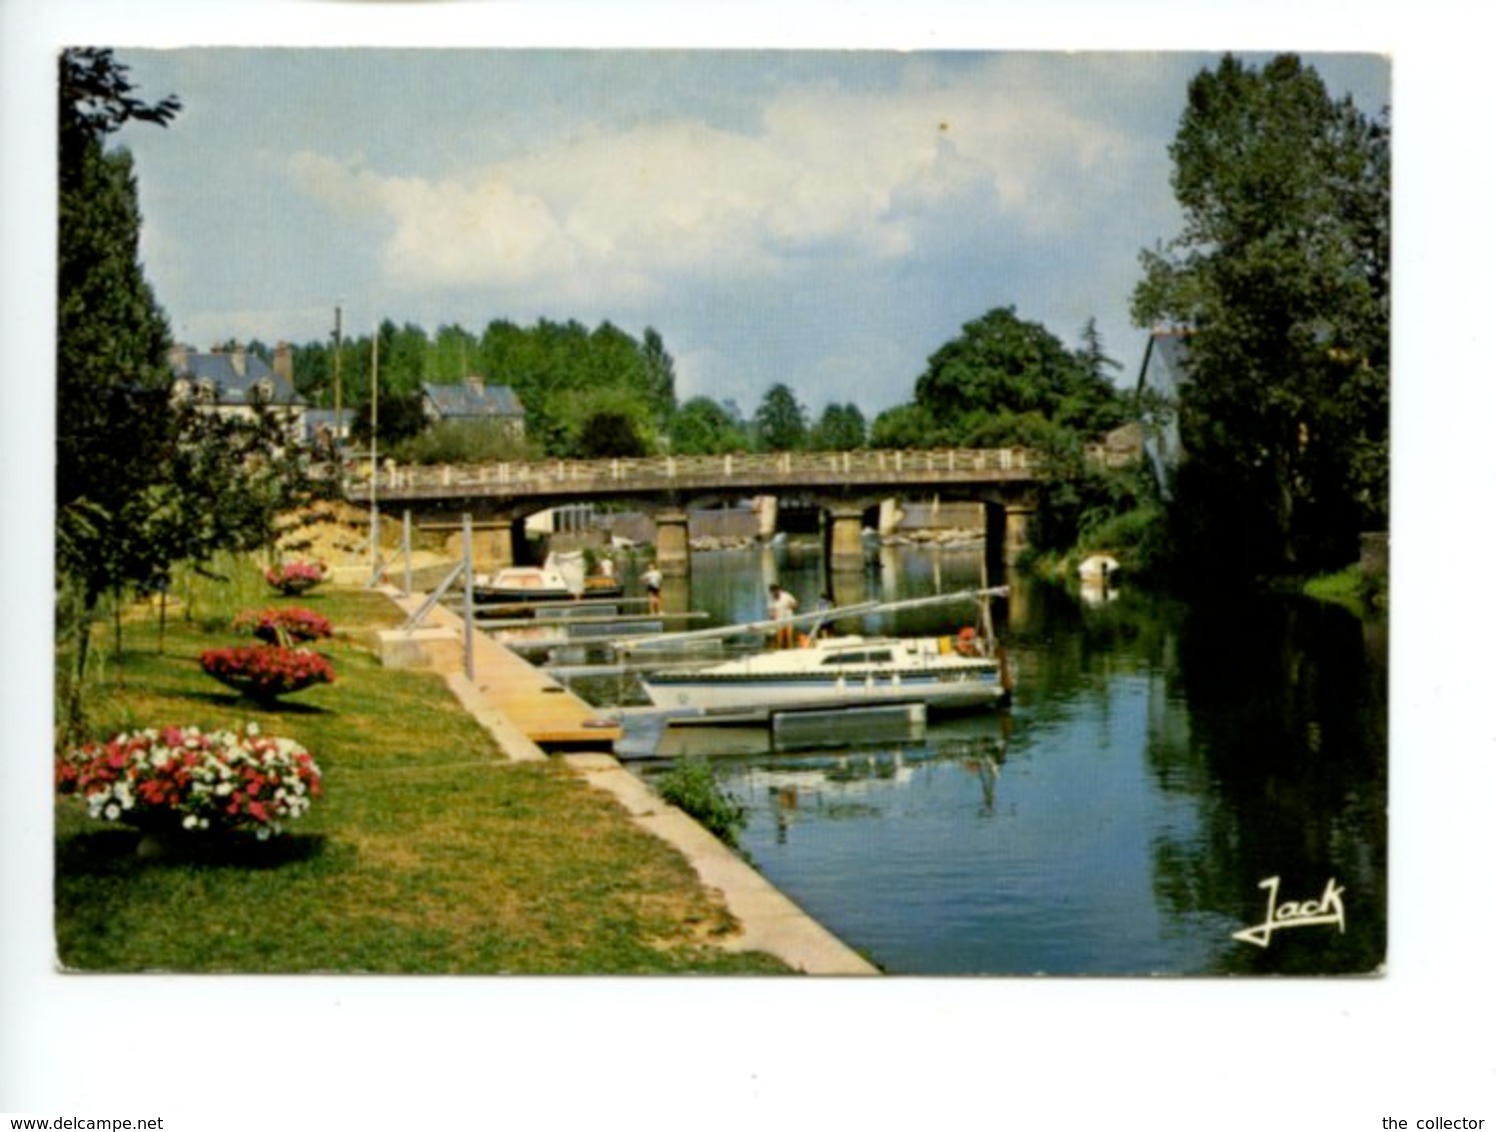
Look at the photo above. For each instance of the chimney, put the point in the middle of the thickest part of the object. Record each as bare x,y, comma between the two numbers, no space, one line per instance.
282,364
475,383
176,357
237,359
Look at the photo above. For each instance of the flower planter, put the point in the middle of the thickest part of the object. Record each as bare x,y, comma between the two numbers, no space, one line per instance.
179,785
267,672
292,578
288,625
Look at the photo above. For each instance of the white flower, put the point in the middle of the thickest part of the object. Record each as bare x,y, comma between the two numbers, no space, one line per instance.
189,822
223,789
111,811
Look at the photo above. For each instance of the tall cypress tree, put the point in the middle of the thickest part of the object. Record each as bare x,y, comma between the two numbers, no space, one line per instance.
112,338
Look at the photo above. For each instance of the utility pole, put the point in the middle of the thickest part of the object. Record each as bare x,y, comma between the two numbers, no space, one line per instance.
337,375
374,466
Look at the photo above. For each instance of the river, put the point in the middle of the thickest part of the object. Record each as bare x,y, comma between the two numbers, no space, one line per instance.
1159,766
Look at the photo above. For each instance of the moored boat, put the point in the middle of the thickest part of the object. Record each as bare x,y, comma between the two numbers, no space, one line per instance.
942,673
523,583
562,578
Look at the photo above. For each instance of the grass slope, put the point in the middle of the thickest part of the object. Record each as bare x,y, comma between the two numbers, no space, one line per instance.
427,852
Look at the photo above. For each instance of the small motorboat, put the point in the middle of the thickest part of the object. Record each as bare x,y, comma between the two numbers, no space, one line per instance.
522,584
563,577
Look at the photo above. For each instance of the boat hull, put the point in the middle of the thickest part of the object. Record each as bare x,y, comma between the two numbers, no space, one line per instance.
940,692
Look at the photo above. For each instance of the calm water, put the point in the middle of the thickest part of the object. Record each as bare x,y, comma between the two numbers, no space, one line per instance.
1158,764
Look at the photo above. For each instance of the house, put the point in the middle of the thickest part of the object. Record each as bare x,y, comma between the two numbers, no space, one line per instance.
473,400
324,428
1165,371
233,382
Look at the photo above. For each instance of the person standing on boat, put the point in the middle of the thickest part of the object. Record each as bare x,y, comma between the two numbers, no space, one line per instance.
782,606
653,579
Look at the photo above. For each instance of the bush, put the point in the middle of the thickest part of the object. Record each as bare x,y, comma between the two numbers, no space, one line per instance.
691,785
463,442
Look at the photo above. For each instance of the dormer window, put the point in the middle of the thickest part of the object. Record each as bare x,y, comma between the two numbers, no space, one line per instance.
207,392
263,389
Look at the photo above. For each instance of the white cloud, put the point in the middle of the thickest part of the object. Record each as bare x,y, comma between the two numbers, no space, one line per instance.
832,175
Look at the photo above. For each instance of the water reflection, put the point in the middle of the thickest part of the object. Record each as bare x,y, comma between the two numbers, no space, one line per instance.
1158,764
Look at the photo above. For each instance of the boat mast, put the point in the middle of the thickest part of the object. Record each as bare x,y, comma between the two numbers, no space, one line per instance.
981,596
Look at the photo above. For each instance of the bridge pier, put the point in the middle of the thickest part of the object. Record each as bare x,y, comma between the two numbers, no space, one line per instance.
672,542
846,538
1015,532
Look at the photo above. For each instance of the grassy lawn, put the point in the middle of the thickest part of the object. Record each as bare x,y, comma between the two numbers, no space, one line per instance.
427,852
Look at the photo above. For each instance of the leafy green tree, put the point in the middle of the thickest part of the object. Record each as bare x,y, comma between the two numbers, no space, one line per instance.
703,427
840,428
144,479
908,426
113,383
1281,276
1003,364
609,434
453,354
780,421
659,377
401,416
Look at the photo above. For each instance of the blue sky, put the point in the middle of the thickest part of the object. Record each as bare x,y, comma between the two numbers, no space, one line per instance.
822,218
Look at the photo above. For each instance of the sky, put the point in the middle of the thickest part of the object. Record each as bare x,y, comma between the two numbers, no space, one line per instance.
822,218
803,219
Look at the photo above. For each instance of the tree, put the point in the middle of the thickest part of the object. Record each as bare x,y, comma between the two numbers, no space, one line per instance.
113,430
659,377
401,416
908,426
609,434
1003,365
144,479
1281,277
780,421
841,427
702,427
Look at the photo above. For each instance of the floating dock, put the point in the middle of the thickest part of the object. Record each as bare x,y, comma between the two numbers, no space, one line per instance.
541,708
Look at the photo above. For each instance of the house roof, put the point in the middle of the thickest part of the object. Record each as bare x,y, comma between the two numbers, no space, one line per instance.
1165,363
473,399
230,386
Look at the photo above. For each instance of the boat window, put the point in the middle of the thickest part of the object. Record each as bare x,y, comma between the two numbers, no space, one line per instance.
880,656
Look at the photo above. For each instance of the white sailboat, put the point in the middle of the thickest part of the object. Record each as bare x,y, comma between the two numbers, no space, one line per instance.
937,674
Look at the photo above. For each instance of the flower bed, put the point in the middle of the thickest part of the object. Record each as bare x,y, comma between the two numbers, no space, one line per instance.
296,577
264,672
284,626
183,778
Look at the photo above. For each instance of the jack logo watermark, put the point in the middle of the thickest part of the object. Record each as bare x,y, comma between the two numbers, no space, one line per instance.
1328,909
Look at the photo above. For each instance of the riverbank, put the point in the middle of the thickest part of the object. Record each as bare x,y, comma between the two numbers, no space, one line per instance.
767,921
430,852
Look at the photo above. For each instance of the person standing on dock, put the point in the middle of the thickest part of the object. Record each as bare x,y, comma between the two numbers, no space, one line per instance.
653,580
782,606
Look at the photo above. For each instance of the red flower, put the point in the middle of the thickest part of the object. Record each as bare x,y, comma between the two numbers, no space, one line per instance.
267,671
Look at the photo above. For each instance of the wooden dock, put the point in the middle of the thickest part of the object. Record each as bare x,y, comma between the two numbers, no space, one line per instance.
546,711
540,708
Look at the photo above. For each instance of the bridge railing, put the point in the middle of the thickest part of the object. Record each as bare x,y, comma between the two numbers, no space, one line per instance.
755,469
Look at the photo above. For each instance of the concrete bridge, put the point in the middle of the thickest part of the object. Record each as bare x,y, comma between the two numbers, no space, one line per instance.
845,486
